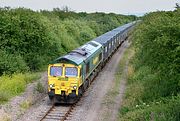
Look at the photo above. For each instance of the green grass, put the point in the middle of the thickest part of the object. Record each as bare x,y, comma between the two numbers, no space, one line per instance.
11,86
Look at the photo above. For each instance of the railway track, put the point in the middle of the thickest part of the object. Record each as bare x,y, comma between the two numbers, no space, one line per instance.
58,113
61,112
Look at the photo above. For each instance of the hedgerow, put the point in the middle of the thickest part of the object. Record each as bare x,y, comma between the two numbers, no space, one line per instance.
153,88
29,39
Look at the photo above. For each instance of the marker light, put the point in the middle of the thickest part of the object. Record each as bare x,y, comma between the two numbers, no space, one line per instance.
75,87
51,85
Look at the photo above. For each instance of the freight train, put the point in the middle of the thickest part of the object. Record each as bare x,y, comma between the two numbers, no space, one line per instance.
70,75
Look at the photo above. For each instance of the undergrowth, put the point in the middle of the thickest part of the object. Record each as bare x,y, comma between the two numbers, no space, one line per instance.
153,85
15,84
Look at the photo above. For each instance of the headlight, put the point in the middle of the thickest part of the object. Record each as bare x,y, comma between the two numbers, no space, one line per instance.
51,85
75,87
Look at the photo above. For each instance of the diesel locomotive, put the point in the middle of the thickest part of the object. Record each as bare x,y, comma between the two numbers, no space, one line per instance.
70,75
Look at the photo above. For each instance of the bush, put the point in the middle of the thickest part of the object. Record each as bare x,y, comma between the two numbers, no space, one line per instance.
153,88
32,39
23,34
10,63
39,87
15,84
157,47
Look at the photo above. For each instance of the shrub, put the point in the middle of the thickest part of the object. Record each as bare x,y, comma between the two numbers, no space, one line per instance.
157,43
33,39
15,84
10,63
39,87
153,88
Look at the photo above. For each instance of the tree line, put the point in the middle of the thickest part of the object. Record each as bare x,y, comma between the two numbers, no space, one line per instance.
29,40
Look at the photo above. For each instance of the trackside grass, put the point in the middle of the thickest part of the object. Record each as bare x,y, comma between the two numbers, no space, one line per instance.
11,86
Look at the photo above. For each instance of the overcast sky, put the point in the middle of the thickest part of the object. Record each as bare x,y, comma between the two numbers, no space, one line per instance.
115,6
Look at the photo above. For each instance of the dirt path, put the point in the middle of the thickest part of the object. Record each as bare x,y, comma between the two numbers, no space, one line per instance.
114,97
113,109
119,98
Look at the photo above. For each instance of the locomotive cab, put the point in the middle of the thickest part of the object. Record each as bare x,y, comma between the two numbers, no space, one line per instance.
64,80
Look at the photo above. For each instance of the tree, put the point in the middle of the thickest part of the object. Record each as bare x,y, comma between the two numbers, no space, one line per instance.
177,6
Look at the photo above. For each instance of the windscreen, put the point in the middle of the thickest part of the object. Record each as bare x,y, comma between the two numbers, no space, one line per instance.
56,71
71,72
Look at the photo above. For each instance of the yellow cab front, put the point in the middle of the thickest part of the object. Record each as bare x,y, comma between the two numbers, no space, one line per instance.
63,79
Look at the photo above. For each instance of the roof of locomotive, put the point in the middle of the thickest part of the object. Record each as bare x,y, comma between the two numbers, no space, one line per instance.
80,54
